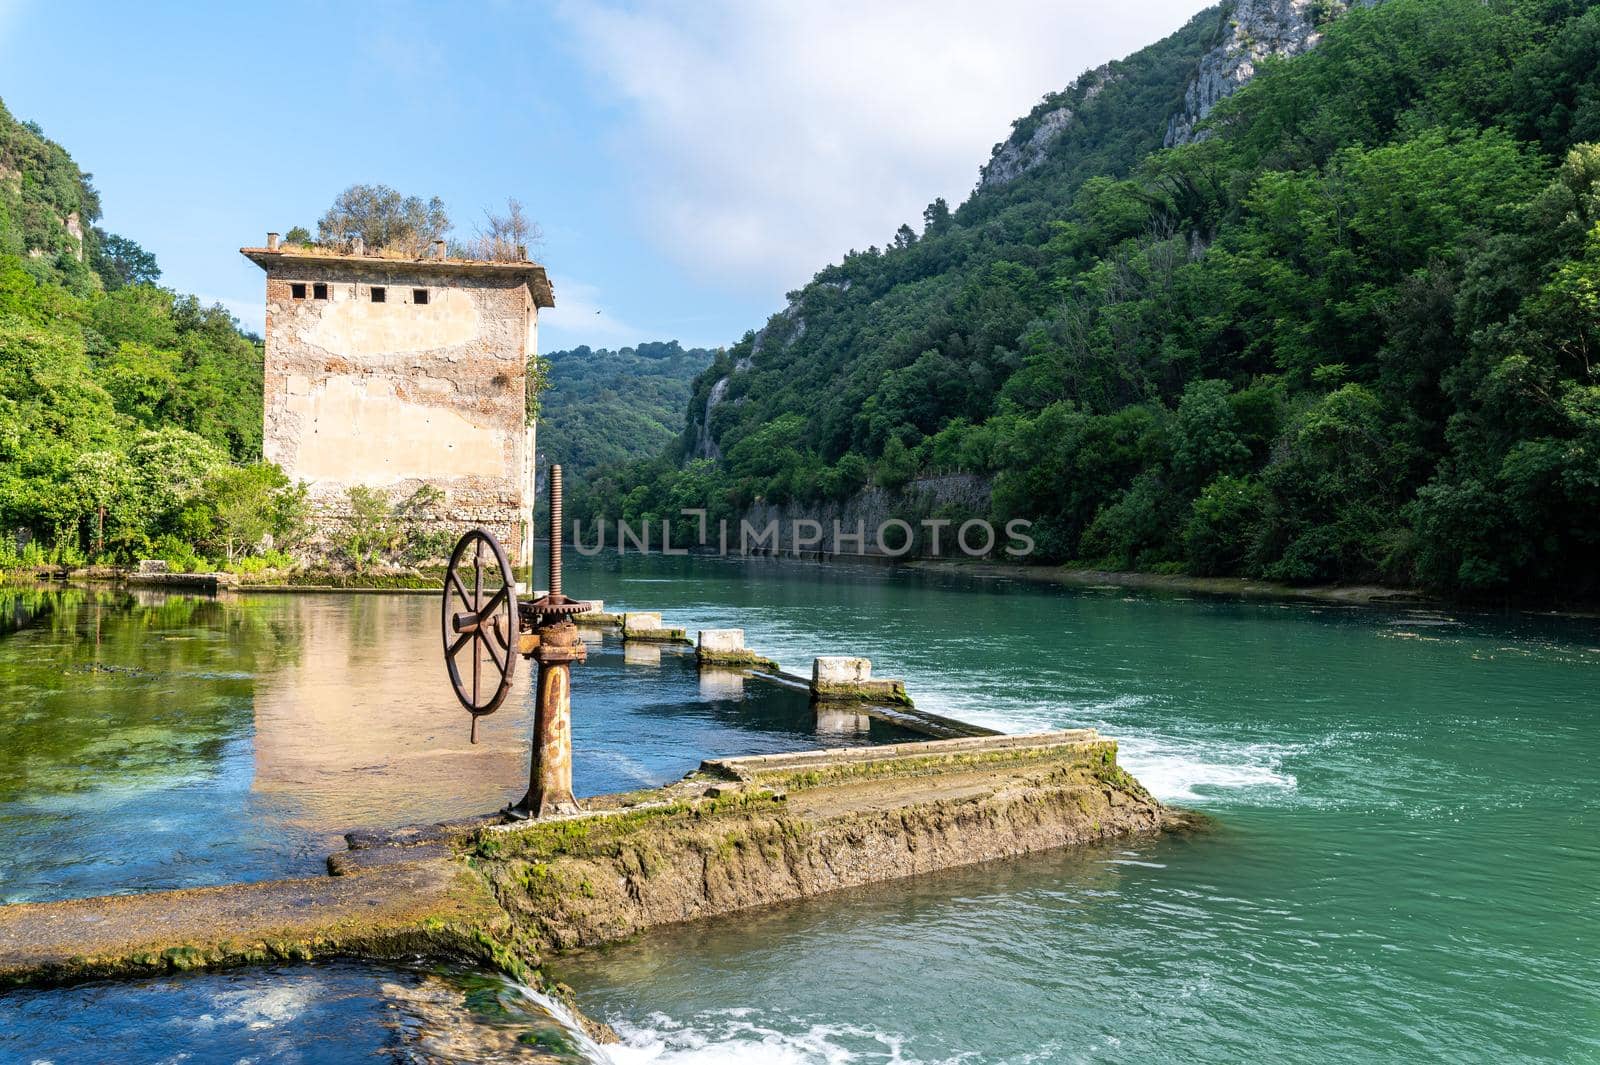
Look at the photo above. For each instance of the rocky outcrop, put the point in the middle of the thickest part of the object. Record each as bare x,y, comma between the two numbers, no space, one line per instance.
1255,30
704,446
963,494
784,328
74,227
1030,142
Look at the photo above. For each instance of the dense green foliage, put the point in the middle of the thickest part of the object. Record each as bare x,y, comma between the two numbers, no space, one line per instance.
602,406
130,416
1348,337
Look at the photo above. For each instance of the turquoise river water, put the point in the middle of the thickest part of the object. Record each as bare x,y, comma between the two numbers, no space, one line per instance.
1404,866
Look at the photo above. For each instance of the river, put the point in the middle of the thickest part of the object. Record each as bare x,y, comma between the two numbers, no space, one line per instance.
1404,865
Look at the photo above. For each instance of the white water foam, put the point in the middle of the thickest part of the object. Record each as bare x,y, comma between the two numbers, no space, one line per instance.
591,1050
1175,769
1197,772
732,1037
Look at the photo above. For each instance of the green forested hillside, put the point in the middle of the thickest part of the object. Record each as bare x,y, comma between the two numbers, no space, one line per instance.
1350,336
603,406
130,415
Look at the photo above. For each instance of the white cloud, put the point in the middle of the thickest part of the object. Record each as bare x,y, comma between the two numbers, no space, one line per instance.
765,139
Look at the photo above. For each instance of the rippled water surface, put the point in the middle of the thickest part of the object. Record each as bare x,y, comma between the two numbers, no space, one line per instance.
1405,863
299,1015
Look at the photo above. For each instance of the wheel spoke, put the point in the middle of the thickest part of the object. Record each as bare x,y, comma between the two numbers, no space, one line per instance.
494,656
455,648
461,589
492,605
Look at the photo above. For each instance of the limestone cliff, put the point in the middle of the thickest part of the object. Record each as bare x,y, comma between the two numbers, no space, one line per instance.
1255,30
953,496
1031,140
1250,31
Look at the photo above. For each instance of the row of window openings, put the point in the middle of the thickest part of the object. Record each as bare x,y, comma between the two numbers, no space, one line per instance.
379,294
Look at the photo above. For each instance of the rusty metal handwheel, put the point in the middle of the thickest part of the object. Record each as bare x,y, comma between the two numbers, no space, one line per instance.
479,622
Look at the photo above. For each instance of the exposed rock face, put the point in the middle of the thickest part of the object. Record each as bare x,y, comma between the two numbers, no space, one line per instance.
869,509
1256,29
1014,157
785,328
74,227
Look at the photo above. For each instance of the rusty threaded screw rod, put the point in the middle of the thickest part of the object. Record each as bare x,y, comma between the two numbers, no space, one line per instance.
555,531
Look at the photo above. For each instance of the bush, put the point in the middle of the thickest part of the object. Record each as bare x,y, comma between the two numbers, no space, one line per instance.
179,555
378,533
1224,525
1134,531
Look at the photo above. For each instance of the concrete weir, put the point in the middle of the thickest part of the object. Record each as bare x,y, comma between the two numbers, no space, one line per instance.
737,833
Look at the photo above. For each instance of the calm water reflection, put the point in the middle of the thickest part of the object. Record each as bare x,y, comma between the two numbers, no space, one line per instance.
155,741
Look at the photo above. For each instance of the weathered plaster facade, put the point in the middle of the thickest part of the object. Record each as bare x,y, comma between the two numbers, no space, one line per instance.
396,373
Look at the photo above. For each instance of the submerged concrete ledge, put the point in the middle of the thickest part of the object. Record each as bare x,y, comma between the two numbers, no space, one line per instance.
734,834
414,907
748,832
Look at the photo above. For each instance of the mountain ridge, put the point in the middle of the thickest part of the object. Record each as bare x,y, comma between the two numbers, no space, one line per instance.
1330,334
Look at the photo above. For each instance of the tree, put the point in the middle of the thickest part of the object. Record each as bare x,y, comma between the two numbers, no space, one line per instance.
538,381
384,219
896,466
120,262
297,235
502,237
252,503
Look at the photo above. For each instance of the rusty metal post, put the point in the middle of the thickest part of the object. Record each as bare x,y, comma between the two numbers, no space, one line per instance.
558,646
550,776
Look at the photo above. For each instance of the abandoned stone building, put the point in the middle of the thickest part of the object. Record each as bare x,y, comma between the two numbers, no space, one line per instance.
394,373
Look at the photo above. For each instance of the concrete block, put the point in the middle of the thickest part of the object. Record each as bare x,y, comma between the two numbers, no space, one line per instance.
640,621
152,565
834,669
841,679
721,641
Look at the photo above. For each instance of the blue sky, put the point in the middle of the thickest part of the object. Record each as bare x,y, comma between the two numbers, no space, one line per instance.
689,163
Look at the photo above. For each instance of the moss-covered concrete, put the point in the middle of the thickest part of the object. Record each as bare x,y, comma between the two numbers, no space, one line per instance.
736,659
427,906
887,692
750,832
736,833
657,636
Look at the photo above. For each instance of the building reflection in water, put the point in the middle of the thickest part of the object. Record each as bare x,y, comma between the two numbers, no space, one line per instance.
364,730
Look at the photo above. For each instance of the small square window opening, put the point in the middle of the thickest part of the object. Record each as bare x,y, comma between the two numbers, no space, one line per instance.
379,295
298,290
419,296
319,292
